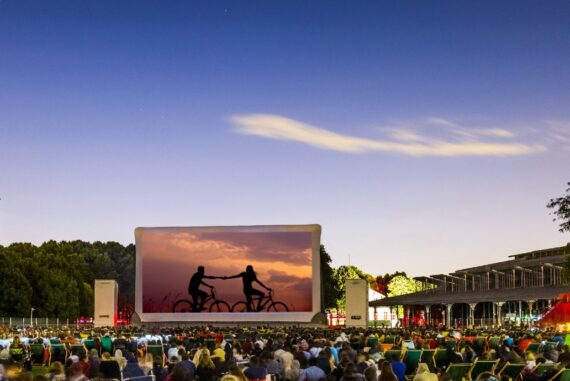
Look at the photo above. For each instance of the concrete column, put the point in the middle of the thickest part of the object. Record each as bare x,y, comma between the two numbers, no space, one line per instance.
448,320
520,312
428,314
530,306
472,313
499,305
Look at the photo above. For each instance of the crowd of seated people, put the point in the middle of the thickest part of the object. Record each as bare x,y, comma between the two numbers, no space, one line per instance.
283,354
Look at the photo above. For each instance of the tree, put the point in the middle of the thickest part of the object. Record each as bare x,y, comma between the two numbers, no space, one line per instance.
402,285
16,292
561,206
380,283
341,275
329,286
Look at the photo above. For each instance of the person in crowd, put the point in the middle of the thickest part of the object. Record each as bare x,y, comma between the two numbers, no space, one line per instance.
109,368
206,370
158,368
424,374
132,369
564,356
351,373
398,366
312,372
76,372
386,372
255,369
186,363
371,373
56,372
238,373
120,359
94,363
146,363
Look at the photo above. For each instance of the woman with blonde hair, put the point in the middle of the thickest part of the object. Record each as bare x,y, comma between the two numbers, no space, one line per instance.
146,363
423,373
56,372
206,370
120,359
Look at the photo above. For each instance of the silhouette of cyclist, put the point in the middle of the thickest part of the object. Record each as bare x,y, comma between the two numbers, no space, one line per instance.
199,296
248,277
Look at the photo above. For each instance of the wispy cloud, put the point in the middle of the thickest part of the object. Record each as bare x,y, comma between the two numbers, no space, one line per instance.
559,132
401,140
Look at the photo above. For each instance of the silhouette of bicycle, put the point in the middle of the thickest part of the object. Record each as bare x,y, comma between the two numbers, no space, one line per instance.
185,305
266,301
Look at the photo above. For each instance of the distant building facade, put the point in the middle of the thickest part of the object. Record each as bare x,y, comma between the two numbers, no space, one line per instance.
516,291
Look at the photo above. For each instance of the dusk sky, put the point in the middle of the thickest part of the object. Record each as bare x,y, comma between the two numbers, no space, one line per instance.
423,136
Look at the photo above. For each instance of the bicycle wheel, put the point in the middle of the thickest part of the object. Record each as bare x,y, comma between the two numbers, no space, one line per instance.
239,307
277,307
219,306
182,305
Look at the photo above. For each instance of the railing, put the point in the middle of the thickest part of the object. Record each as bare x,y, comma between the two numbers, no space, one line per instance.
25,322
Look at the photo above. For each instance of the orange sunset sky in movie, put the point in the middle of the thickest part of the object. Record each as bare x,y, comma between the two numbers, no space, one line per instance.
281,260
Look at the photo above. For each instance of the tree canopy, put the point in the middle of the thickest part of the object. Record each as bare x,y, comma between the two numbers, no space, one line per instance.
561,209
57,278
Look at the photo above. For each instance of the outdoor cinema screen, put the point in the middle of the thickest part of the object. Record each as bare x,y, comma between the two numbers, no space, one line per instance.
228,273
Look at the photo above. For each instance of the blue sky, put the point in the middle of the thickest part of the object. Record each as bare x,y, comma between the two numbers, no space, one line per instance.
422,136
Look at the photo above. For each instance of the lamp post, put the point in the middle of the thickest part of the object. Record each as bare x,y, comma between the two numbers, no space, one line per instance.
31,317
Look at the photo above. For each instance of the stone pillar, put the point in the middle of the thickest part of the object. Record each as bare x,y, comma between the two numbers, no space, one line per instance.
448,320
520,313
530,305
428,314
472,313
499,305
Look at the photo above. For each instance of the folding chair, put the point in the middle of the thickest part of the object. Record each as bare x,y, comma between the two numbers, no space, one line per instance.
58,352
512,371
481,366
494,342
156,350
440,358
393,354
412,359
37,353
562,375
544,369
427,356
459,371
533,347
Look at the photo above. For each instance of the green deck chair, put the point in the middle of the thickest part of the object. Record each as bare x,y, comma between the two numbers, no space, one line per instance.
544,369
494,342
459,371
481,366
156,350
440,358
451,344
512,371
89,344
427,357
533,347
77,349
58,352
412,359
562,375
389,339
393,354
37,352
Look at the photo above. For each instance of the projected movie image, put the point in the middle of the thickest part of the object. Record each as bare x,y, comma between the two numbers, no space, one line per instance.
185,271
